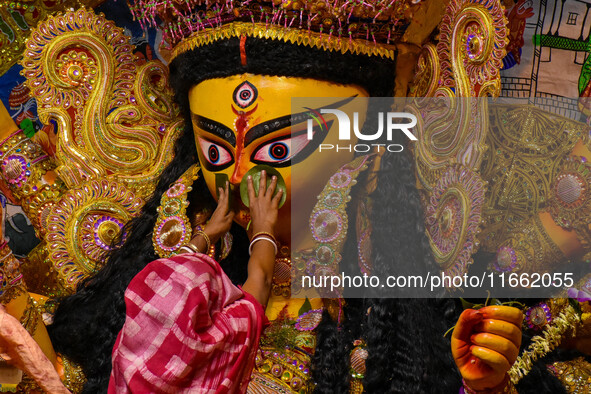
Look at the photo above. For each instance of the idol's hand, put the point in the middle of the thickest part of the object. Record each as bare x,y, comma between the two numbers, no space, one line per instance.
18,348
219,223
485,343
263,205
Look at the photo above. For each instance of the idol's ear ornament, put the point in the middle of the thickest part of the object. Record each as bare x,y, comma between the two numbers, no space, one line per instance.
452,125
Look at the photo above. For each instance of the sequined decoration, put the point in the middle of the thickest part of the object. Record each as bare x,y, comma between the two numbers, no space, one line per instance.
309,321
506,259
538,316
570,205
173,229
276,369
282,274
453,217
328,223
575,374
357,359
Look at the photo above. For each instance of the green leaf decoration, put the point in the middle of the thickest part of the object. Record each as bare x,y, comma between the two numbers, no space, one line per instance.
27,127
306,307
467,304
220,182
255,172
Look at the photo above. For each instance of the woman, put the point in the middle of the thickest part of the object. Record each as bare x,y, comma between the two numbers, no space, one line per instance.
186,311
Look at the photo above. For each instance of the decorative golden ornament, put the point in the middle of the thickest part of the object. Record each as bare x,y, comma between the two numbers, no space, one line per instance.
173,227
17,18
527,148
83,224
113,118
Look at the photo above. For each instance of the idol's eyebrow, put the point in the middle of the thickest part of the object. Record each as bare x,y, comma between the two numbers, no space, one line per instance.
213,127
282,122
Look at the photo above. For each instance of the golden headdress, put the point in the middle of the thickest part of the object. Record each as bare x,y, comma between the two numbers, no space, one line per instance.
357,26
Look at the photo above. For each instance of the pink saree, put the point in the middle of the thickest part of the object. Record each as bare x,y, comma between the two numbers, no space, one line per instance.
187,329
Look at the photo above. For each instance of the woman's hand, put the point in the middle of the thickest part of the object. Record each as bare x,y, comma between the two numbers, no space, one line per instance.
485,344
219,223
263,205
263,212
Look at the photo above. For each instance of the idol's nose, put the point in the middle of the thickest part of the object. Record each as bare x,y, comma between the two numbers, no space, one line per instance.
243,164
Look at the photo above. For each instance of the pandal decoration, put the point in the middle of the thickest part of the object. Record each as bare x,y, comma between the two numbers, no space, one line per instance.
568,319
453,215
116,127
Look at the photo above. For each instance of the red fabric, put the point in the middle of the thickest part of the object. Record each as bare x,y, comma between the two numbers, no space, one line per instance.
188,329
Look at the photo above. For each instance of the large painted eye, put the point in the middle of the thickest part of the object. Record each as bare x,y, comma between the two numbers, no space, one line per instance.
280,152
216,155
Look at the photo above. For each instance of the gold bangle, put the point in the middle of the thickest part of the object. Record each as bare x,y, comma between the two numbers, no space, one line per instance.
267,234
206,238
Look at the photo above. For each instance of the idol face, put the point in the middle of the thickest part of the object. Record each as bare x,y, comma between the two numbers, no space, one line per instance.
245,120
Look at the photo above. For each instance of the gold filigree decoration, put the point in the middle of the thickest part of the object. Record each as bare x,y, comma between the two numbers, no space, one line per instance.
173,227
83,224
575,374
428,73
114,118
452,123
465,64
17,18
472,41
527,149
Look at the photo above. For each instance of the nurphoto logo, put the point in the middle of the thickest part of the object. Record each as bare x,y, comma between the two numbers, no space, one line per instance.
389,122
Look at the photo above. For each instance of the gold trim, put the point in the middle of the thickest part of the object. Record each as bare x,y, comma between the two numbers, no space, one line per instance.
307,38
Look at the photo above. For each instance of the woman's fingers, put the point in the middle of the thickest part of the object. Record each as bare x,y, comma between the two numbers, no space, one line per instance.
272,186
251,193
262,183
277,199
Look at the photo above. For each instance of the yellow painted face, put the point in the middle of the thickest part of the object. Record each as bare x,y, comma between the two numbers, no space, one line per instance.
244,120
